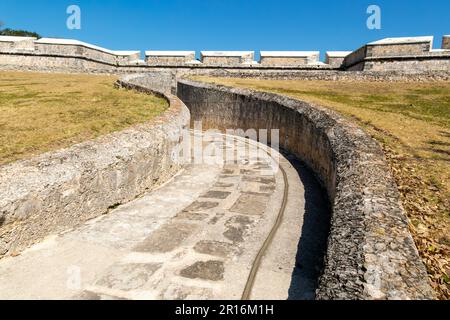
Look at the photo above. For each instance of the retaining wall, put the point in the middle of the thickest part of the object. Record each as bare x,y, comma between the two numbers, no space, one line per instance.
371,254
59,190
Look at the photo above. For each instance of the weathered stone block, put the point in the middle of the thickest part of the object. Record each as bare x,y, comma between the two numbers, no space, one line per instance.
170,58
289,58
230,58
446,42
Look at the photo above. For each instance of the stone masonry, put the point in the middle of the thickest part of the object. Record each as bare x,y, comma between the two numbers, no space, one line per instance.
66,55
370,254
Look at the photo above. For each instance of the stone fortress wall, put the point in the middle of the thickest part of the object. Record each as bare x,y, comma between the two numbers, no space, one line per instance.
414,53
391,54
370,253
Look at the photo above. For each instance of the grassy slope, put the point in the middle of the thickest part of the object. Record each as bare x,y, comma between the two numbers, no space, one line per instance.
43,112
412,121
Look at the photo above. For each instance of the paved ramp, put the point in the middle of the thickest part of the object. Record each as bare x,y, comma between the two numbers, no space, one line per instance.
215,231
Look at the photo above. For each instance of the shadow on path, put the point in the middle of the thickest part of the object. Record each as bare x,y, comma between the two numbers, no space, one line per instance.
313,242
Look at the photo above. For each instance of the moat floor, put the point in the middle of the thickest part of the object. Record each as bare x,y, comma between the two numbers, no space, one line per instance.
196,237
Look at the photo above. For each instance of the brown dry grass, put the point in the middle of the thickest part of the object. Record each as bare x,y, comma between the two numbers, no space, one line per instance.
412,122
43,112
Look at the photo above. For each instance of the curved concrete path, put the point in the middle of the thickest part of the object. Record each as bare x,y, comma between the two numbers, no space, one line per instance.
196,237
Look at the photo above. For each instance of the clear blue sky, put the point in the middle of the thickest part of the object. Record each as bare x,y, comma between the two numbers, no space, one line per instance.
229,24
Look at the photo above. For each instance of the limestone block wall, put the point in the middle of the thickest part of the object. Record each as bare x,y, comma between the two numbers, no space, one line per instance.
170,58
59,190
8,43
67,47
127,57
50,47
446,42
65,55
407,65
398,54
371,254
53,64
400,47
289,58
336,58
227,58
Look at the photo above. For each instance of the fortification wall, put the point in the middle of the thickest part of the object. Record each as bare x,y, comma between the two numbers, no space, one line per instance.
284,61
47,54
289,58
336,58
405,65
370,254
407,49
59,190
170,58
399,54
23,62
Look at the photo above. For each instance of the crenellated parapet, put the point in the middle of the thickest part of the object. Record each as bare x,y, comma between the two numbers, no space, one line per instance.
336,58
289,58
390,54
227,58
67,48
170,58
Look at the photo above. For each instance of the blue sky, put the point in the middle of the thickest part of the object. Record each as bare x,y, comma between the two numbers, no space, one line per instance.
229,24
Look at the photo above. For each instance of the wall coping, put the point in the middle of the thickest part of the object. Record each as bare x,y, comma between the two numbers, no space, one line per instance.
337,54
225,53
73,42
175,53
402,40
282,54
369,228
15,38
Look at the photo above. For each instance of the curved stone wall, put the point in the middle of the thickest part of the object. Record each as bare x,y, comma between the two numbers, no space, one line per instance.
59,190
371,254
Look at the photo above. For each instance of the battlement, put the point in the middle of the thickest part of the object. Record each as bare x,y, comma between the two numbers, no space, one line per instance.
67,48
390,54
289,58
170,57
227,58
8,43
336,58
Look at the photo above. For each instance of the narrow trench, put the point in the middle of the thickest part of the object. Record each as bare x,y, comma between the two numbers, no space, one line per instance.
312,245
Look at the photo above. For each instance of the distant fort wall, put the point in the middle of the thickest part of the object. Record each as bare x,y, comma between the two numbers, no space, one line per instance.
391,54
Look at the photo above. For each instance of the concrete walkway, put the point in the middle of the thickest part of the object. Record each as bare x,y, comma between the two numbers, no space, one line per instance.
196,237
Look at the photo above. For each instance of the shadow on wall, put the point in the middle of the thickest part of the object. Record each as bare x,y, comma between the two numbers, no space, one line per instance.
313,242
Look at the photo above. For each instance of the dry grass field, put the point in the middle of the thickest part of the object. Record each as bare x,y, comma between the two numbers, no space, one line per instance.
42,112
412,122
